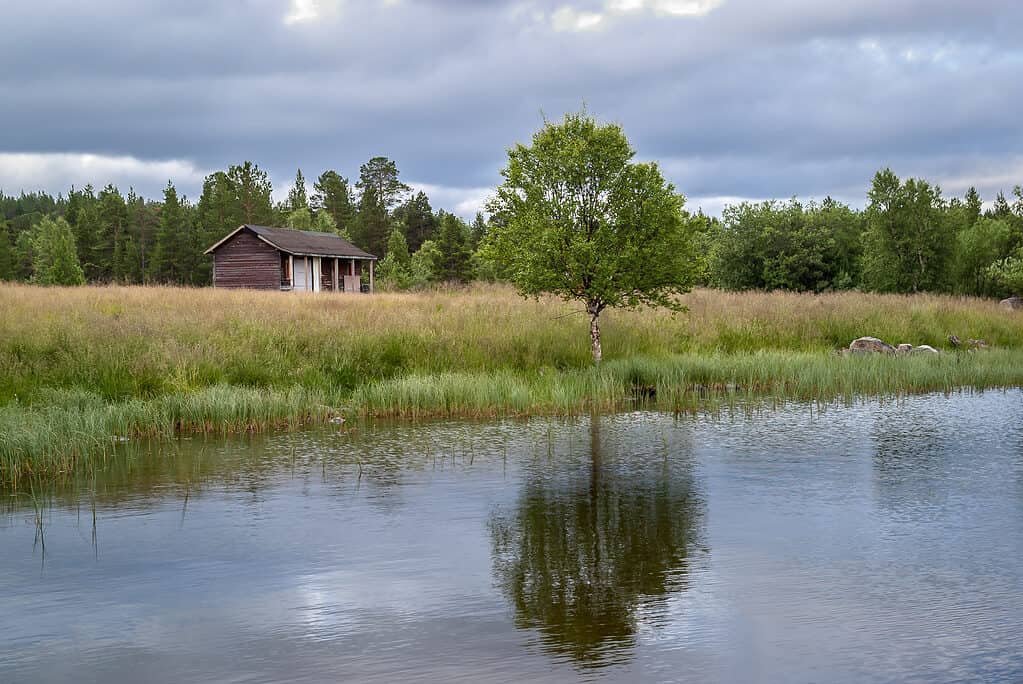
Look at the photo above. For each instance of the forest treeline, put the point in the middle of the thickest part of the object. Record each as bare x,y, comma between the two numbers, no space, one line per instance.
908,238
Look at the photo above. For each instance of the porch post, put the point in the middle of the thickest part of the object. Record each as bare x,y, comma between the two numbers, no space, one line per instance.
336,261
371,275
291,271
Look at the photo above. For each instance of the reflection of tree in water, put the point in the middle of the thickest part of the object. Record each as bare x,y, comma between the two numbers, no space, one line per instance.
581,553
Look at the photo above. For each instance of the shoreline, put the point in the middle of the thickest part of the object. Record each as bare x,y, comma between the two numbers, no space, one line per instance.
84,367
77,430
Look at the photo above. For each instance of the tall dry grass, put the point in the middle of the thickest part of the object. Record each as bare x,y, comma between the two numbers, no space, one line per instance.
79,365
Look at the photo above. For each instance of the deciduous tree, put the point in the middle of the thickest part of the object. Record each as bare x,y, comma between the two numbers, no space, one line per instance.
908,242
582,221
54,255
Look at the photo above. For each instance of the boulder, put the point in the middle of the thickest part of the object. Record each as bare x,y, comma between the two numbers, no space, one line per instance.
925,349
904,348
871,345
978,344
1012,303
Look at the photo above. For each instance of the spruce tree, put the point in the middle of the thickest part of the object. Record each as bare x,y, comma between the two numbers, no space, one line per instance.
297,198
477,231
418,219
6,252
170,253
113,213
373,225
88,229
333,195
456,258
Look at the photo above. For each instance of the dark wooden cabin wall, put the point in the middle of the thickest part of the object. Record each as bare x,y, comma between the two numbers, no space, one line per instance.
245,261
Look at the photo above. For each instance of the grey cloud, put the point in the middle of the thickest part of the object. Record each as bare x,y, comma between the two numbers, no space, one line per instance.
755,99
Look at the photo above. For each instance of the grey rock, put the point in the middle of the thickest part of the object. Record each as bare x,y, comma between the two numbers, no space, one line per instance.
904,348
871,345
925,349
1012,303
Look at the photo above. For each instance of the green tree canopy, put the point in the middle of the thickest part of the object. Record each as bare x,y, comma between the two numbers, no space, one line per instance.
297,198
786,245
373,225
113,234
251,189
175,252
416,215
6,252
395,269
54,255
582,221
908,241
300,219
1008,274
333,195
381,174
978,246
425,264
456,257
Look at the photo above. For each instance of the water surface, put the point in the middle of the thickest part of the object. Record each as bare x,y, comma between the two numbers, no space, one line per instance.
875,542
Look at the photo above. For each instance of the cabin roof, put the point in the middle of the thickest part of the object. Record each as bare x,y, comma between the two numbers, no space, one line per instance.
301,242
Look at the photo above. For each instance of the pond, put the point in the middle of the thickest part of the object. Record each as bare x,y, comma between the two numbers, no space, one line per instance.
881,541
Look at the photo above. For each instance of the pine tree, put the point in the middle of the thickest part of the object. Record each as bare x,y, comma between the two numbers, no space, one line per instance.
252,190
381,174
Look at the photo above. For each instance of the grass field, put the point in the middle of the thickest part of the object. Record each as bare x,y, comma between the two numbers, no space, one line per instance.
84,367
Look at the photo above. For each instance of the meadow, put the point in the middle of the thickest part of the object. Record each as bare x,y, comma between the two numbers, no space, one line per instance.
84,369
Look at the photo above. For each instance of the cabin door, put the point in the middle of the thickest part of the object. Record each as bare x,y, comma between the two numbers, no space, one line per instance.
300,279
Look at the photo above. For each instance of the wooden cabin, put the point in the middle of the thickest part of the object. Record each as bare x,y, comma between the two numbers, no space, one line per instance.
262,258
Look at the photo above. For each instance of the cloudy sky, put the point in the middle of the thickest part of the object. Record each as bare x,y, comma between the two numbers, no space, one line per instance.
735,98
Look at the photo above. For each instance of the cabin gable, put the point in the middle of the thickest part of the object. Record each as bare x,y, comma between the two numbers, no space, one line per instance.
246,261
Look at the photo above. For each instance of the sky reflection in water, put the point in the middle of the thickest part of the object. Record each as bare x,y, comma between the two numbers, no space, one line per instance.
865,543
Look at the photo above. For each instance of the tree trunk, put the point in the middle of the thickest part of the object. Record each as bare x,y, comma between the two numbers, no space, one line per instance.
595,335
